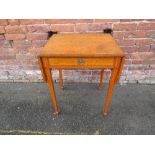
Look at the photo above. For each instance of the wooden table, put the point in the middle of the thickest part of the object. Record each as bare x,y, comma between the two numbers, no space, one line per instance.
74,51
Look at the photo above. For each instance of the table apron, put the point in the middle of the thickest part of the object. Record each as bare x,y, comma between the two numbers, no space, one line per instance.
74,63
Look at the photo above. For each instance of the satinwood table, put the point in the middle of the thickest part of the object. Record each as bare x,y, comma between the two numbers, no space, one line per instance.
81,51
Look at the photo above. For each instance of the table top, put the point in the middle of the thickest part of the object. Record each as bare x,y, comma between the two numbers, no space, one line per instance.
81,45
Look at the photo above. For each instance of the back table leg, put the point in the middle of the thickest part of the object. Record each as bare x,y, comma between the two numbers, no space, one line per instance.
60,78
101,78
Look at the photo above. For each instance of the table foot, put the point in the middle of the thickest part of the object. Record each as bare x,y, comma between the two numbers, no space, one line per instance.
57,113
62,87
105,114
99,88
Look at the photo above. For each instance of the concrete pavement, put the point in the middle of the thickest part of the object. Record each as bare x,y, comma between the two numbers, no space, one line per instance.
26,108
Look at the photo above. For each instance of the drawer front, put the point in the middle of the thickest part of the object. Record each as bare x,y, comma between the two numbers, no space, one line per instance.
81,62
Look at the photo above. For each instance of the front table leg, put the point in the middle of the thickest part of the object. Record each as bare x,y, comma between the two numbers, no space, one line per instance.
51,87
110,90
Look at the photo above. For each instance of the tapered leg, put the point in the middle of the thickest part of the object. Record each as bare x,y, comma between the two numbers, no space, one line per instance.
110,89
120,69
60,78
51,86
101,78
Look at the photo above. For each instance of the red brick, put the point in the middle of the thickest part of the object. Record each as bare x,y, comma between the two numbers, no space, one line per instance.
137,67
128,61
7,53
5,43
98,27
63,28
136,34
148,61
136,20
3,22
147,55
126,42
130,49
144,48
35,50
136,61
5,62
106,20
31,21
118,35
14,36
152,48
22,49
125,27
26,56
91,72
39,43
84,20
95,27
37,36
8,50
152,66
151,34
81,27
150,20
27,65
60,21
8,56
2,37
143,55
146,26
128,54
67,21
2,29
135,56
38,28
22,43
15,29
125,20
13,21
142,42
130,34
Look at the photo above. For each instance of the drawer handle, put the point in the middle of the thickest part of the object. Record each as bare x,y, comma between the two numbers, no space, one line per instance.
80,61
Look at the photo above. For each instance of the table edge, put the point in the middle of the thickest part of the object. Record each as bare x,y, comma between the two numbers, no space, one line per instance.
80,55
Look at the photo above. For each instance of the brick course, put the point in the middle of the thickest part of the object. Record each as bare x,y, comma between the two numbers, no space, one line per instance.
22,39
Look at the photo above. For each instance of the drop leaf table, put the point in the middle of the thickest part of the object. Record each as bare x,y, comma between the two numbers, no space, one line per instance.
81,51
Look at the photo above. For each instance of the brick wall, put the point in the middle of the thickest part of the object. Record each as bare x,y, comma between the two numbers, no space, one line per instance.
21,41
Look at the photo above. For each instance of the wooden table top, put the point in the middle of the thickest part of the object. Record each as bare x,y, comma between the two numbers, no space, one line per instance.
81,45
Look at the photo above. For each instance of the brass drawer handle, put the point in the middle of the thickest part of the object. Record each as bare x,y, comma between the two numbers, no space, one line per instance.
80,61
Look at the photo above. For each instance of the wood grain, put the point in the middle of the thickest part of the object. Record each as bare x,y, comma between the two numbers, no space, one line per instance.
81,45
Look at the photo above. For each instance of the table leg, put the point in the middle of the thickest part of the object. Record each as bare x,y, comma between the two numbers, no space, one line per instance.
120,69
110,90
60,78
101,78
51,86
